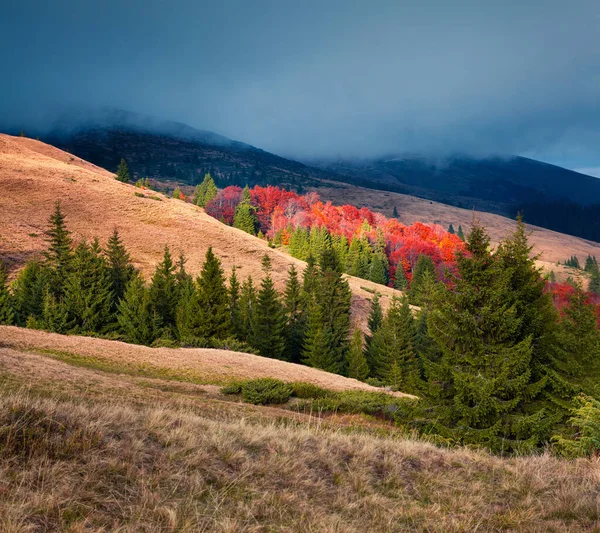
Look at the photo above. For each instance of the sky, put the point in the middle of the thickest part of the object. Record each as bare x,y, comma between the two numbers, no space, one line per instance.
321,79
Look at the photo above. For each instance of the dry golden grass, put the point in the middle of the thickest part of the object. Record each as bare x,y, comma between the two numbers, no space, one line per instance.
552,246
200,365
84,450
33,175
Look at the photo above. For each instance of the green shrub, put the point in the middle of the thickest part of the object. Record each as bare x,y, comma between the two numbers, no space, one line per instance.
264,391
585,422
304,390
232,388
165,343
375,382
230,343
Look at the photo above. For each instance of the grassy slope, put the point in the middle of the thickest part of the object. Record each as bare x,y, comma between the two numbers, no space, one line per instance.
85,449
33,175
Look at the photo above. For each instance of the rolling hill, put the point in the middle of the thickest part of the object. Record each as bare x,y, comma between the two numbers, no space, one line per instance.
33,175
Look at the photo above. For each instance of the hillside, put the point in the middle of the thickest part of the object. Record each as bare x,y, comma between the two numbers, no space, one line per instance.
551,246
85,447
33,175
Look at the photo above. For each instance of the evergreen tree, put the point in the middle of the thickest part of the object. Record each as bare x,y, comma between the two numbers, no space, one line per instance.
378,271
451,229
269,319
299,243
245,214
293,303
392,348
29,291
205,192
7,313
58,256
581,340
318,349
136,316
424,264
594,285
484,374
214,318
55,315
187,311
460,234
248,302
88,296
234,304
400,281
376,315
123,172
120,267
163,293
552,277
395,212
310,276
357,362
591,264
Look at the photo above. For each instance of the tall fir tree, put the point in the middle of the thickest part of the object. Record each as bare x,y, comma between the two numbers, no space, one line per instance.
424,264
187,310
55,315
120,267
7,312
594,283
88,296
400,281
205,192
293,303
392,347
318,349
123,172
460,234
234,303
58,255
245,214
482,380
451,229
374,322
248,302
269,319
357,362
163,293
213,298
136,315
29,291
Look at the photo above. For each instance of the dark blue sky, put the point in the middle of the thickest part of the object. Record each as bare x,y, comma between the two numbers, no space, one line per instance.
321,78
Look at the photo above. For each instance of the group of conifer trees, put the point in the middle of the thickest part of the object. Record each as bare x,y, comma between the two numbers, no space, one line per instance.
87,289
492,360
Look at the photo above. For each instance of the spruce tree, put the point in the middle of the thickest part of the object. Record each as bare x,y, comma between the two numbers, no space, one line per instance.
213,298
234,304
395,212
451,229
120,267
88,296
318,349
460,234
55,315
393,349
29,291
293,303
58,256
378,271
136,316
400,281
245,214
248,302
123,171
590,264
163,293
205,192
482,380
424,264
375,315
269,319
357,362
310,276
187,310
177,193
594,284
7,312
299,243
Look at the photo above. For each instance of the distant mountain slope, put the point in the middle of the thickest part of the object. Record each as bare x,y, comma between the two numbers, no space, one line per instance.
492,184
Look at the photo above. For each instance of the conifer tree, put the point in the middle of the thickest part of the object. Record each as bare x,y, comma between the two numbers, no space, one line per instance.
163,293
392,348
483,377
88,296
424,264
590,264
378,269
213,298
7,313
205,192
136,316
247,310
451,229
187,311
594,285
376,314
58,256
177,193
340,246
245,214
460,234
581,340
29,291
310,276
120,267
123,171
293,303
234,303
55,315
357,362
299,243
318,349
395,212
552,277
400,281
269,319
